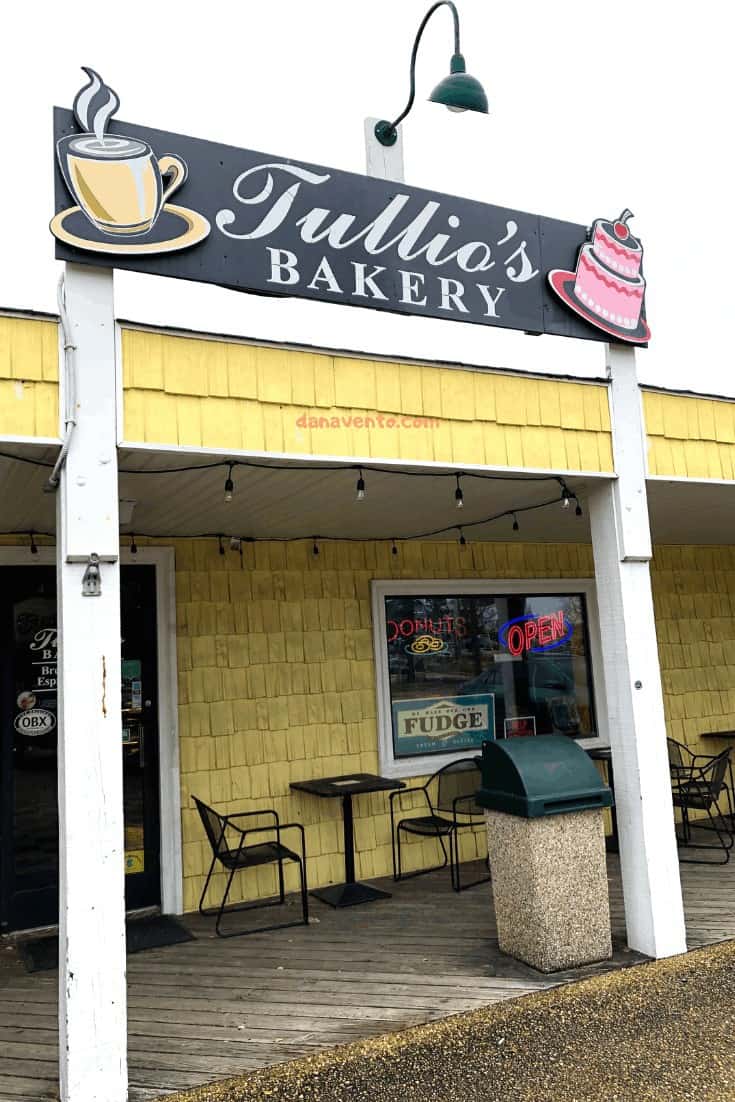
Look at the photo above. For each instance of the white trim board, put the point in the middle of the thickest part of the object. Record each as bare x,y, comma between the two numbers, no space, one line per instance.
358,461
168,730
420,766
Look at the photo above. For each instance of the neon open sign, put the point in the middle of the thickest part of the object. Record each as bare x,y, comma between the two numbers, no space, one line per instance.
532,634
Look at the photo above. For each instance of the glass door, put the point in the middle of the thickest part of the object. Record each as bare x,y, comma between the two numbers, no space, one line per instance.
29,829
29,833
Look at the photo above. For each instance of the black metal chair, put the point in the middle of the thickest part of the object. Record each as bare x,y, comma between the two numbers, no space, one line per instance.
681,761
453,809
233,853
698,788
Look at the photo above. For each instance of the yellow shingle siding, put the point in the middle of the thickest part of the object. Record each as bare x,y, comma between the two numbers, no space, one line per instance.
227,395
277,683
29,372
690,437
694,604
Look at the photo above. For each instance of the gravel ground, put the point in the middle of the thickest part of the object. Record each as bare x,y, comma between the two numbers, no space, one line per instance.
658,1032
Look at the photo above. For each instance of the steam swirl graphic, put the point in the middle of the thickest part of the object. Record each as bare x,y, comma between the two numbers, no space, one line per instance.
95,104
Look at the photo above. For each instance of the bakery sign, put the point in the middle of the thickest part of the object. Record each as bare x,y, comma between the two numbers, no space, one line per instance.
130,197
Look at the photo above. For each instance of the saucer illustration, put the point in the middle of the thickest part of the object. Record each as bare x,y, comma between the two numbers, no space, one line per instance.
607,288
176,228
120,186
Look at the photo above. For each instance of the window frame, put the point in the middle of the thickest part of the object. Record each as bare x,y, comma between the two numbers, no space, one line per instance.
422,765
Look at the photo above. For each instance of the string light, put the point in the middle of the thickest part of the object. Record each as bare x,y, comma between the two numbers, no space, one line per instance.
458,495
361,492
564,495
133,545
462,540
229,484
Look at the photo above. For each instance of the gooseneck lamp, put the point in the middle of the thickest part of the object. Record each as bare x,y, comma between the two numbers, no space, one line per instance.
459,91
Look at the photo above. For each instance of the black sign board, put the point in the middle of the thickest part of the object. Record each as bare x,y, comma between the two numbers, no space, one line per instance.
268,225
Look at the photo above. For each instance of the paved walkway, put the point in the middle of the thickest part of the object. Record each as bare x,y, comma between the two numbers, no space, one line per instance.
659,1032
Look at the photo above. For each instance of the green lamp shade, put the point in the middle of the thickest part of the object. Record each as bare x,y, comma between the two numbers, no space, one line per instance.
460,91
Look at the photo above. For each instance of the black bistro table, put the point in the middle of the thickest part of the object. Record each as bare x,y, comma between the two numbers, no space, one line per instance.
353,784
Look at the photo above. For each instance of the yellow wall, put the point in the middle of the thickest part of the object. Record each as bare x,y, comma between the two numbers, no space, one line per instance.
277,681
694,602
690,437
29,372
277,677
217,394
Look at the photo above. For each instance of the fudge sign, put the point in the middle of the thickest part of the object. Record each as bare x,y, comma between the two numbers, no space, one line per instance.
270,225
443,723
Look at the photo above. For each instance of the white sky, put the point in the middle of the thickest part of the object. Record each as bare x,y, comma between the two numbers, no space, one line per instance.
594,107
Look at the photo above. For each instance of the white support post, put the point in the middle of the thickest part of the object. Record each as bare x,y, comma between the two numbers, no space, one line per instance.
92,989
621,544
383,161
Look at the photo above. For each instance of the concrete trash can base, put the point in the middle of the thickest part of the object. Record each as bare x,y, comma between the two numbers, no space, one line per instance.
549,883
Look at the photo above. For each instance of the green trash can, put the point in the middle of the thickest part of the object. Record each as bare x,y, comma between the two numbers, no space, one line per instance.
544,802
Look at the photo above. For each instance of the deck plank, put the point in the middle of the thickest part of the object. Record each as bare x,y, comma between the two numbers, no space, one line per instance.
208,1008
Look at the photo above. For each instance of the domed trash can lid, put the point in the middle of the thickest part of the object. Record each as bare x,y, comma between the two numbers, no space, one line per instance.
545,775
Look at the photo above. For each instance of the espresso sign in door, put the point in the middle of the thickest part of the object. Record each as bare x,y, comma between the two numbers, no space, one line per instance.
166,204
34,627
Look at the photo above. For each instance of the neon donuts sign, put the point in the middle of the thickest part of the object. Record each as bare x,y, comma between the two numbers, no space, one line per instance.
532,634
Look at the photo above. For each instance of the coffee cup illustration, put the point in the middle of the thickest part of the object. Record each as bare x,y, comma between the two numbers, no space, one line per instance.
121,187
118,182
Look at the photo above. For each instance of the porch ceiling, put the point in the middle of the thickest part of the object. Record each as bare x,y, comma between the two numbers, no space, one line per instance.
298,503
301,503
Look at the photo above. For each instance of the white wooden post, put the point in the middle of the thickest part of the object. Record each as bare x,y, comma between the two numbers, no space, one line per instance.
621,544
92,991
383,161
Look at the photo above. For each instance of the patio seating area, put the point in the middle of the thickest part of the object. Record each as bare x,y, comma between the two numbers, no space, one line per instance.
211,1008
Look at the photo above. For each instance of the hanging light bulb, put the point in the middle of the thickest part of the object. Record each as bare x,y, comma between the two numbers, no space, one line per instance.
458,495
133,545
229,485
462,540
516,525
221,545
360,491
34,549
394,549
315,548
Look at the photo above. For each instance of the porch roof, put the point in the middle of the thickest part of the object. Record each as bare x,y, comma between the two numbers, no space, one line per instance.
290,500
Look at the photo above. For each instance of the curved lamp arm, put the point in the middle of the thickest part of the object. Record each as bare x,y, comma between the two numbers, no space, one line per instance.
385,131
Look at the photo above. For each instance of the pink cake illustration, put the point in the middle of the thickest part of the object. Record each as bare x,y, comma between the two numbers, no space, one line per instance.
607,289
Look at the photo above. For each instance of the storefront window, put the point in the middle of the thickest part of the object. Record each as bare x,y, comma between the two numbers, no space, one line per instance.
464,667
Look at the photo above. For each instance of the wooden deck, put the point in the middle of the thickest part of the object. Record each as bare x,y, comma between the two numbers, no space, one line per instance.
212,1008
